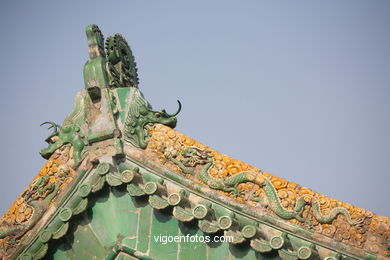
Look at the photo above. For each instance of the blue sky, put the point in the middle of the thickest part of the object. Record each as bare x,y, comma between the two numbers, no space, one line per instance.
299,89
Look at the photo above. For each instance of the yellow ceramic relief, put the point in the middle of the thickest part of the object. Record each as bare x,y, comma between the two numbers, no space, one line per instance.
37,197
299,205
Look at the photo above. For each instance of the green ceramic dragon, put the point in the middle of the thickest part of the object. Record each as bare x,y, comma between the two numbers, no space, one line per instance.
122,72
38,197
140,117
198,162
69,134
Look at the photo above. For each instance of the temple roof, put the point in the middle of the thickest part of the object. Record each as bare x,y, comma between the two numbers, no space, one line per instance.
113,139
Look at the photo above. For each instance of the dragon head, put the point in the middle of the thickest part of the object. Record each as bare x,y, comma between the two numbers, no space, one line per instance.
141,118
150,116
193,156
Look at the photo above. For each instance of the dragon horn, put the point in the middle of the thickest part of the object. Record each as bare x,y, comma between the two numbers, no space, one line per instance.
46,123
178,110
52,124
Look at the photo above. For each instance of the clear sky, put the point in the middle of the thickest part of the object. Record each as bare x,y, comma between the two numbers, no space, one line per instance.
297,88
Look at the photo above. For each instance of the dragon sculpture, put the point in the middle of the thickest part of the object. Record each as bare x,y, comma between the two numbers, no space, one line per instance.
122,72
119,67
141,117
69,134
35,200
198,162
